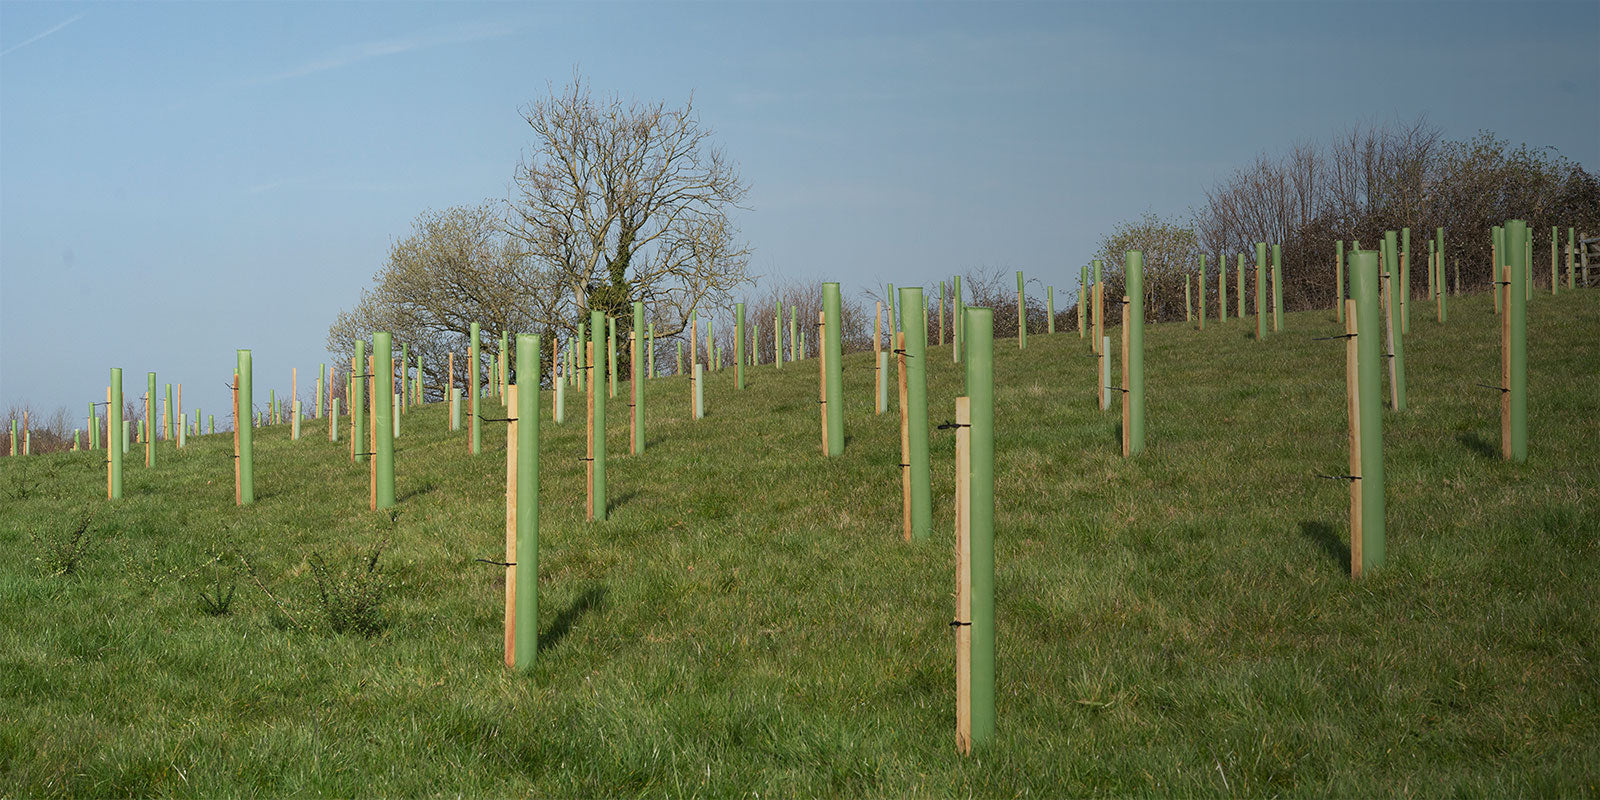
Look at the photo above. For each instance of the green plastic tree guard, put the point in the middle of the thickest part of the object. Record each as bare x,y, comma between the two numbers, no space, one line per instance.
405,379
1497,274
777,335
1222,288
1397,351
150,420
892,320
94,429
794,334
738,346
1277,288
1134,279
638,385
473,365
322,375
1516,237
1239,299
358,403
678,370
1338,280
611,356
525,646
915,328
1261,286
247,461
114,424
1022,315
1049,309
383,406
979,338
833,347
1369,401
1555,260
1405,280
166,415
941,315
1083,289
501,365
699,389
651,373
1202,291
961,306
597,327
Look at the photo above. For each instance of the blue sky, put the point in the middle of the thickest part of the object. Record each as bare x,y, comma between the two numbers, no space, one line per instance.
180,180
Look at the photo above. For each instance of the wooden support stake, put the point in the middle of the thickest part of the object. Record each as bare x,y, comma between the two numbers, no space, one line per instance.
905,438
511,527
1352,379
963,576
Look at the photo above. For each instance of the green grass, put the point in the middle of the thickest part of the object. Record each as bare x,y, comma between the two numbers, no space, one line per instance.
749,622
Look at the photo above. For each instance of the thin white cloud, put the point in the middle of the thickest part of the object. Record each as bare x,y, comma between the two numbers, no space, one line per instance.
37,37
364,51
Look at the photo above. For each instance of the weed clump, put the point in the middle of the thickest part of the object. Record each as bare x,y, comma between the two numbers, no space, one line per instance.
351,599
60,554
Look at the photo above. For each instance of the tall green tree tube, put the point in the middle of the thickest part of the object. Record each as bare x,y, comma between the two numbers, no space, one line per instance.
1369,401
1338,280
383,406
651,373
247,461
1049,308
1497,239
503,364
150,419
1222,288
597,328
942,295
1571,248
1240,298
322,375
405,378
833,344
638,385
892,319
916,332
1134,272
359,402
114,443
1083,289
166,415
1261,290
777,336
473,366
794,334
1516,238
611,355
1202,291
961,305
979,338
1405,280
1022,316
94,428
738,345
1444,304
1277,287
526,644
1397,316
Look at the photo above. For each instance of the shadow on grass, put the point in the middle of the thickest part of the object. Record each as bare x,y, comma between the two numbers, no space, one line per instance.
617,501
425,487
1477,444
592,599
1325,537
1330,541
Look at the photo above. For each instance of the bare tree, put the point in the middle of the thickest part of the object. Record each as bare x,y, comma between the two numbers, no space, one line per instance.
623,201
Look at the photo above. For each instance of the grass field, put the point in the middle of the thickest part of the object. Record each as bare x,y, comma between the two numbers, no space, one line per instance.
749,622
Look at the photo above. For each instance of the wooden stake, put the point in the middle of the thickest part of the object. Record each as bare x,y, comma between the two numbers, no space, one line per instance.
511,527
963,576
905,439
588,349
1353,400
